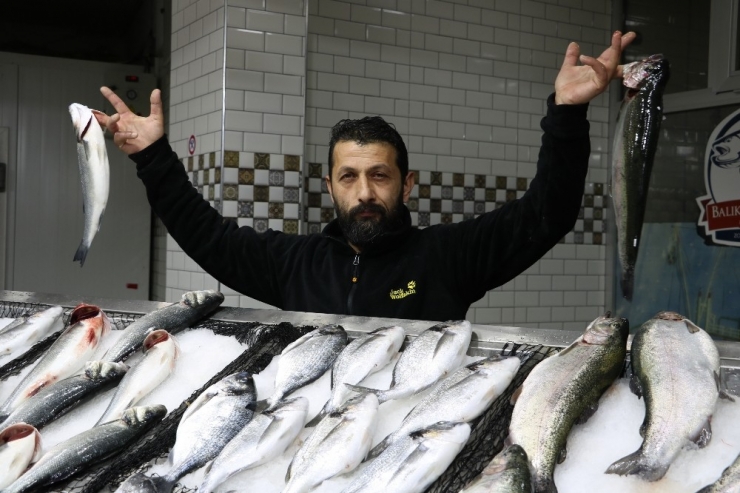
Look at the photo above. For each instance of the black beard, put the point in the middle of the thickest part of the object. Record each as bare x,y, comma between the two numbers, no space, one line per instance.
362,232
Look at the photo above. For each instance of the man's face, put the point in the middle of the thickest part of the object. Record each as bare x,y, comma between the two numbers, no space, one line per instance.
367,190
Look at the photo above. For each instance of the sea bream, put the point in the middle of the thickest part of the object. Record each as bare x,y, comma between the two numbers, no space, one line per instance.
23,332
264,438
92,158
20,445
462,396
635,142
83,450
173,318
430,356
363,356
88,324
562,389
508,472
413,462
676,368
56,400
162,352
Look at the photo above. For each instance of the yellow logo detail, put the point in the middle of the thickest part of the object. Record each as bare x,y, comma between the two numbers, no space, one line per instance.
397,294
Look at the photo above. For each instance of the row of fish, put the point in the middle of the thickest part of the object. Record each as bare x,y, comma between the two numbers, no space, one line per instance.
54,387
409,459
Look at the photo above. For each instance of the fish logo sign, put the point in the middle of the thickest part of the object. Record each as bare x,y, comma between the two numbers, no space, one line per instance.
397,294
720,208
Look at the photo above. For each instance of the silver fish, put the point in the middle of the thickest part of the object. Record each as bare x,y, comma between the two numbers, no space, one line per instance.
26,331
635,142
193,306
460,397
336,446
162,352
414,461
676,367
508,472
87,326
92,158
432,355
304,361
363,356
562,389
729,482
20,445
56,400
80,451
267,436
211,421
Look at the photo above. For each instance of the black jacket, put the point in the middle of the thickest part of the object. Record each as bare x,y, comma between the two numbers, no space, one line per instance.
424,274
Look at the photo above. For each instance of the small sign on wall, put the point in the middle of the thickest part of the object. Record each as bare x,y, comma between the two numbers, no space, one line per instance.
191,145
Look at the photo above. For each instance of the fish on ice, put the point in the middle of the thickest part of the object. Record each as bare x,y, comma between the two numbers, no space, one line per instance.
508,472
20,445
26,331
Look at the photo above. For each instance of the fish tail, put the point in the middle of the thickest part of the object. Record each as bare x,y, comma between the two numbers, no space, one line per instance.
81,253
636,464
381,394
260,406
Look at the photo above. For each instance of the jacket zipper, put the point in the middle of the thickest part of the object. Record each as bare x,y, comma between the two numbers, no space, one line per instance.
355,277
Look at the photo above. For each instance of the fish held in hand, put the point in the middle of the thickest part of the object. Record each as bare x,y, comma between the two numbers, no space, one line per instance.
635,142
20,445
563,389
676,368
92,158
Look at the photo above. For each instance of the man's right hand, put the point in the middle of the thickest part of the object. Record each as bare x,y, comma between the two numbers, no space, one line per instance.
132,133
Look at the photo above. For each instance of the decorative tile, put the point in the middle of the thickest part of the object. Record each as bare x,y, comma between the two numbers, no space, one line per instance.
290,226
521,184
275,210
246,209
598,213
446,192
458,180
314,170
598,189
211,192
314,228
424,219
425,191
212,160
457,206
413,205
469,193
510,195
261,161
314,200
190,163
201,162
231,159
217,175
194,180
501,182
231,192
292,163
436,178
327,214
276,178
436,205
260,225
446,218
581,213
588,225
261,193
246,176
578,238
588,200
291,195
480,181
598,238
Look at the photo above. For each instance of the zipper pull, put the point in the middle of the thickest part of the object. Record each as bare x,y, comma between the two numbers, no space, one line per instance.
356,262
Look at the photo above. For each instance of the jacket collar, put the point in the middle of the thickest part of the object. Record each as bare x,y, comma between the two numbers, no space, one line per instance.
386,242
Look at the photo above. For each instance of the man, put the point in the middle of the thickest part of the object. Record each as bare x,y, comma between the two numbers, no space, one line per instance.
370,261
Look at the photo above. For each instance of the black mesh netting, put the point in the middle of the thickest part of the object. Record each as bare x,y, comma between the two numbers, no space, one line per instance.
489,431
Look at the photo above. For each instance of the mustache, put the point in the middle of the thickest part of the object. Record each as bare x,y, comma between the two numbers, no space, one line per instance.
373,208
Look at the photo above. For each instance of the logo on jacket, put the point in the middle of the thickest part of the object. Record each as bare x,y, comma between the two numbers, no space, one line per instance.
397,294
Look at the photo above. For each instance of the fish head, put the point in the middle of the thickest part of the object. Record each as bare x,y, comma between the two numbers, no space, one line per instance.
143,415
331,330
104,370
512,456
237,384
606,330
446,431
359,404
23,431
653,70
205,300
82,312
162,339
290,405
726,151
82,118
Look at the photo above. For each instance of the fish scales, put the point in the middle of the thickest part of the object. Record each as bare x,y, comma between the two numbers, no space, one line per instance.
560,390
635,143
508,472
25,331
676,368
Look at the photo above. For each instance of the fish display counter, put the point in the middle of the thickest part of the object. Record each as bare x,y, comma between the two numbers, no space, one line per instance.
218,400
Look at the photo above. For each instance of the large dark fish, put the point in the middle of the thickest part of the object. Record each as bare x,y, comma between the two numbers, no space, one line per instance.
56,400
635,142
193,306
80,451
92,158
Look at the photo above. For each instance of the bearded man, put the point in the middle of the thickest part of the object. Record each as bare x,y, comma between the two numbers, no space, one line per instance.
370,260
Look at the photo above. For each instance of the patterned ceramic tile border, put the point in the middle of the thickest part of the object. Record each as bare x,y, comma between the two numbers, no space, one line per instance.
440,197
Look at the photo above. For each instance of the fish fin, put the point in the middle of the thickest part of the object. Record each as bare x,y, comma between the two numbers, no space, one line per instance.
367,390
81,253
446,338
691,326
636,386
562,455
199,402
725,395
380,447
634,464
316,419
260,406
515,395
587,413
705,435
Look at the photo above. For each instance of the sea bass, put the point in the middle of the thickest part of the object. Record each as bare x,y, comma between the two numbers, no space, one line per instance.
211,421
729,482
563,388
508,472
432,355
266,437
20,445
304,361
460,397
80,451
92,158
87,326
193,306
363,356
635,142
413,462
336,446
56,400
676,367
162,351
26,331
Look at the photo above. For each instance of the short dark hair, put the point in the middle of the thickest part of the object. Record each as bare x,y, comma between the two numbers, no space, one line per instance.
370,130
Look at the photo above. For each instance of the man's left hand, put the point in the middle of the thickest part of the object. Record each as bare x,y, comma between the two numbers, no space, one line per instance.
579,84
